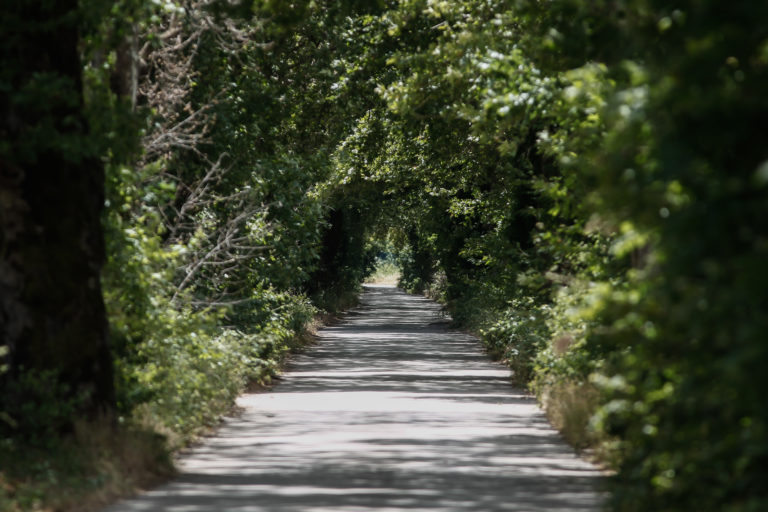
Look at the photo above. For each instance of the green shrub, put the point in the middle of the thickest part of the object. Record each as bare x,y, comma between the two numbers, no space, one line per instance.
518,337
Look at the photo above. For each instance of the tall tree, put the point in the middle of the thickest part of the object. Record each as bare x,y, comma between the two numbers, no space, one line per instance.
52,317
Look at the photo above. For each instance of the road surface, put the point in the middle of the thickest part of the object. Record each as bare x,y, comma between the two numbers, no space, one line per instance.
389,411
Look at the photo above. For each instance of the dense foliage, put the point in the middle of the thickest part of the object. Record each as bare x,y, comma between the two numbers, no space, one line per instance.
581,183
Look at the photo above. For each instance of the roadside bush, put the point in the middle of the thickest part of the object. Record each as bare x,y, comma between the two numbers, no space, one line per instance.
518,337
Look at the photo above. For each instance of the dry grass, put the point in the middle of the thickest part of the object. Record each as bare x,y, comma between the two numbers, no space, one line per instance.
569,406
128,460
97,464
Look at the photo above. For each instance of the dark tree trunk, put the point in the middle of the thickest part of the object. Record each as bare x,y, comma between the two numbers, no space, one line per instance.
334,249
52,314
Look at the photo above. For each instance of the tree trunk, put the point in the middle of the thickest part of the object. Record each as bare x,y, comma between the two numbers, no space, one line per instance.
52,315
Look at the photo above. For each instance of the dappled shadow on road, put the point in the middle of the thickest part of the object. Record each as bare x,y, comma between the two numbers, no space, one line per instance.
390,411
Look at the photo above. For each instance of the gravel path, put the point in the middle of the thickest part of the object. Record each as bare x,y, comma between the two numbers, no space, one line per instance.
390,411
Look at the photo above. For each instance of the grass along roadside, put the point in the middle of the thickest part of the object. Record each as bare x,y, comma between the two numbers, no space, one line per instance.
82,471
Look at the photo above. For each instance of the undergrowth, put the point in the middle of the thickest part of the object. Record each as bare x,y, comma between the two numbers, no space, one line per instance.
83,470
